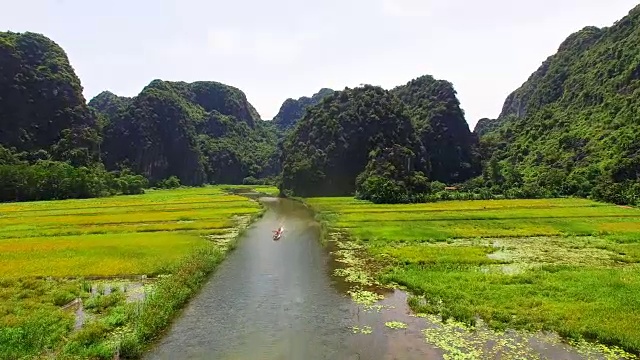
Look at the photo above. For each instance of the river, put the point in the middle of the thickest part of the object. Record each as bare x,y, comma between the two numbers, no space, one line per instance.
278,300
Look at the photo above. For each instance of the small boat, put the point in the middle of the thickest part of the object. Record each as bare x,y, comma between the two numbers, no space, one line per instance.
278,234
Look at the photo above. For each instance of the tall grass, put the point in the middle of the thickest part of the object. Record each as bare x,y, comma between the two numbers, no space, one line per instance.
149,318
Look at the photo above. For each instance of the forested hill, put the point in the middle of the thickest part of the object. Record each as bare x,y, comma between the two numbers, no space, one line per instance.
449,145
108,103
201,132
574,125
417,130
43,114
484,126
49,137
332,143
292,110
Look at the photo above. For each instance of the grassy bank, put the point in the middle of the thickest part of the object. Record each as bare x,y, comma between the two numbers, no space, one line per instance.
91,278
567,265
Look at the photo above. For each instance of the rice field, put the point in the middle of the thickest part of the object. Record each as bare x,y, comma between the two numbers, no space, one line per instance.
567,265
133,235
101,253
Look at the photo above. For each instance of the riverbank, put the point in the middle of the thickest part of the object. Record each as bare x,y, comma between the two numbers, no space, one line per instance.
563,265
98,277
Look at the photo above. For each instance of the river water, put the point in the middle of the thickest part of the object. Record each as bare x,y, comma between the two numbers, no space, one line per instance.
278,300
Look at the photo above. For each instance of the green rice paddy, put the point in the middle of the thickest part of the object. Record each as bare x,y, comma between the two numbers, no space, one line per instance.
571,266
124,264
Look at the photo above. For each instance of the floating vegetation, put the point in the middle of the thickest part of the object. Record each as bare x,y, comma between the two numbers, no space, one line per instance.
461,341
364,297
395,325
354,270
364,330
348,245
354,275
377,307
583,250
590,351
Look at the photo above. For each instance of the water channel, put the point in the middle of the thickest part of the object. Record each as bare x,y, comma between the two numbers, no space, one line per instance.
279,300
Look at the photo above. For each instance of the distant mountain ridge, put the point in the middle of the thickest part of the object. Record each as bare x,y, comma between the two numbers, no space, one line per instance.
571,126
292,110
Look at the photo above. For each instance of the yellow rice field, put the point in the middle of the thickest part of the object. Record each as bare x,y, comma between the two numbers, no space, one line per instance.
128,235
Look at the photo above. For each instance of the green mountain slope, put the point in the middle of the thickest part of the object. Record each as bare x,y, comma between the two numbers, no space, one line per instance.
108,103
331,144
573,127
293,110
200,132
42,109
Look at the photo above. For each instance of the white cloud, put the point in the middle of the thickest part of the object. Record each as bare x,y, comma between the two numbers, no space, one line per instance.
408,8
269,48
222,42
276,50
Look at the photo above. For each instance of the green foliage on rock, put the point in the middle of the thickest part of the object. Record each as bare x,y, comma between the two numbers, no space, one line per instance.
201,132
389,178
49,137
41,103
330,146
109,104
572,128
170,183
292,110
335,140
449,145
55,180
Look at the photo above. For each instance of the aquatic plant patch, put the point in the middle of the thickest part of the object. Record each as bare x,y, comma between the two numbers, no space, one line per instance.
92,278
395,325
460,341
362,330
567,265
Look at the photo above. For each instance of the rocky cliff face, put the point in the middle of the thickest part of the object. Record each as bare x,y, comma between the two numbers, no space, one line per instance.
484,125
331,145
42,108
547,84
449,145
335,139
200,132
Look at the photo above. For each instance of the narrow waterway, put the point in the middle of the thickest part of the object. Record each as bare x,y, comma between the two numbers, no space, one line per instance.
278,300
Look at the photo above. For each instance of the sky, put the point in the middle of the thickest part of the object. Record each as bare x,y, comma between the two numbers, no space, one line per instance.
278,49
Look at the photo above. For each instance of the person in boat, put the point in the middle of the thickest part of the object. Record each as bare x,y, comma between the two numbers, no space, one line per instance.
278,232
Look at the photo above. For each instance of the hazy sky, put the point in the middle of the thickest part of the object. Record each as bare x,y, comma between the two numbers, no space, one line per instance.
276,49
